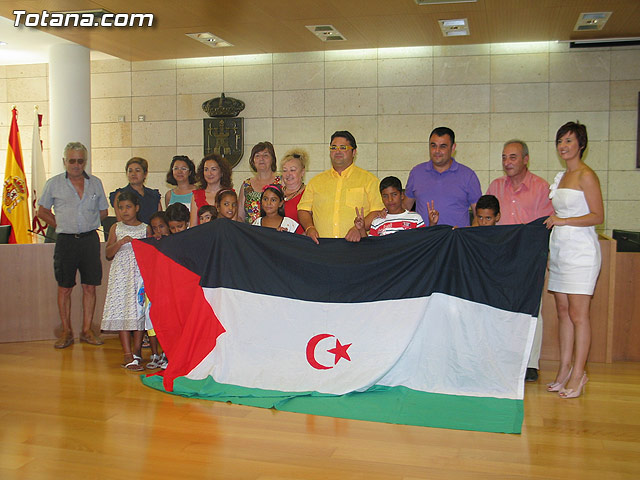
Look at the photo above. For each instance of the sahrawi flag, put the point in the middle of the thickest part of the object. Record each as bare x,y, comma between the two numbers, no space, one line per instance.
425,327
15,194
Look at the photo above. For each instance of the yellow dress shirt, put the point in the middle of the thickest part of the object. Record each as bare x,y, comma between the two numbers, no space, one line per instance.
332,199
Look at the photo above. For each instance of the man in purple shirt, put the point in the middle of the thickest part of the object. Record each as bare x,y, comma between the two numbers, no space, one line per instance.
452,187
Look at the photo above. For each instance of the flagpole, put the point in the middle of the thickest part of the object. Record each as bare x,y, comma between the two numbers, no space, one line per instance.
34,199
38,227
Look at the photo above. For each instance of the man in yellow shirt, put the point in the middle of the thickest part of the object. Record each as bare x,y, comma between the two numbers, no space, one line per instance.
328,205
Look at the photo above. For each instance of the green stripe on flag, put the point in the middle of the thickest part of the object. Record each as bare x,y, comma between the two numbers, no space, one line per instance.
377,404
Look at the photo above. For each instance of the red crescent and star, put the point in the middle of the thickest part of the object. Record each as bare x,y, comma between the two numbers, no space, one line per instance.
340,351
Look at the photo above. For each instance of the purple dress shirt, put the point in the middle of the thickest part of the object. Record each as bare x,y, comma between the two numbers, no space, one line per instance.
452,191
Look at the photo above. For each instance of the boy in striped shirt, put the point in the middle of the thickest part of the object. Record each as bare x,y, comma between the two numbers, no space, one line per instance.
397,218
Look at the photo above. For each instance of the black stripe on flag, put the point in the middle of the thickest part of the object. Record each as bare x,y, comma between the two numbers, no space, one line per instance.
501,266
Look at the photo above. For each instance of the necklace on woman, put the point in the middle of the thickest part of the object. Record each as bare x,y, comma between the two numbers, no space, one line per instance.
289,197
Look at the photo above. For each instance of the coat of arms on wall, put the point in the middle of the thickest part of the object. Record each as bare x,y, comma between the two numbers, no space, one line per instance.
223,132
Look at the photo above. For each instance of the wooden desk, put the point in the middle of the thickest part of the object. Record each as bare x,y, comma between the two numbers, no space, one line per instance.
29,294
626,329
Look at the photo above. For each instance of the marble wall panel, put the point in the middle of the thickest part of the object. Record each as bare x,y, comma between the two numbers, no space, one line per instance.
520,97
405,71
153,134
461,99
468,127
110,109
364,128
154,108
461,70
109,66
111,135
597,123
207,80
350,73
111,84
622,155
625,64
26,71
153,82
248,78
27,89
404,128
524,126
579,96
350,101
298,130
522,68
624,94
579,66
298,103
405,100
623,125
297,76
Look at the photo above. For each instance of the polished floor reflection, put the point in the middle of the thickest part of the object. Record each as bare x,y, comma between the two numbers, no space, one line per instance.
76,414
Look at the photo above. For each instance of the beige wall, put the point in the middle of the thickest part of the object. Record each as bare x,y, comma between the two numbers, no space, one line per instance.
388,98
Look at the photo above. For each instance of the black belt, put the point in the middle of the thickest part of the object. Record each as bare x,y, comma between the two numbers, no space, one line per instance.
78,235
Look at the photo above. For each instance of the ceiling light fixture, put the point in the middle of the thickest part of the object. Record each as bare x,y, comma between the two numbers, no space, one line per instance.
454,28
326,33
209,39
591,21
2,44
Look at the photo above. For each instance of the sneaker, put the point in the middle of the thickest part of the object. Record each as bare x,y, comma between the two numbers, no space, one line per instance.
154,362
531,375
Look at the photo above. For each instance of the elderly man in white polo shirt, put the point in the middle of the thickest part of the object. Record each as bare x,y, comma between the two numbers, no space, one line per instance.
79,205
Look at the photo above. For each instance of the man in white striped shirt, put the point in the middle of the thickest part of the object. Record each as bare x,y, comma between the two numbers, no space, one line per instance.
397,218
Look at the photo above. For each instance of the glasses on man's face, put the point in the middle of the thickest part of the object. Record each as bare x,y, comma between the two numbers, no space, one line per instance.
180,169
342,148
72,161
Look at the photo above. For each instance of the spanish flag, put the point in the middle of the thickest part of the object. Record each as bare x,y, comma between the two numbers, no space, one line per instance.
15,194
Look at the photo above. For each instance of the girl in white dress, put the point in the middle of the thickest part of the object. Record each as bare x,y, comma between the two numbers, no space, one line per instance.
272,210
124,304
574,256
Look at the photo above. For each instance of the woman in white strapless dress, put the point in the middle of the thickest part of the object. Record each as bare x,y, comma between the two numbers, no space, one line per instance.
574,256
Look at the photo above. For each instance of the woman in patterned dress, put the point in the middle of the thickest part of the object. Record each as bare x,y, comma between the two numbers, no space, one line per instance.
263,162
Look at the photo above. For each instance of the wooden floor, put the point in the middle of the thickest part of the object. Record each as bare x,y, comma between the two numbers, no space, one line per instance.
76,414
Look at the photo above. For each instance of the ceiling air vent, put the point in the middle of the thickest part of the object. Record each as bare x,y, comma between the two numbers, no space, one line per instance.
591,21
326,33
454,28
